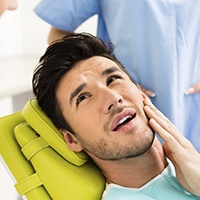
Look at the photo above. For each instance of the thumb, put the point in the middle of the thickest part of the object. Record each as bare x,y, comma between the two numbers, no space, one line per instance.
167,151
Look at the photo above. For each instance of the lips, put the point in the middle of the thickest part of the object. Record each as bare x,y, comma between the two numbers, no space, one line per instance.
122,119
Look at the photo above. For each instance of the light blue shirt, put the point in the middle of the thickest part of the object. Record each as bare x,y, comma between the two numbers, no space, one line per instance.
158,42
163,187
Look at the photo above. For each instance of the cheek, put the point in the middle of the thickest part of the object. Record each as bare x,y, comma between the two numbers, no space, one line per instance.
133,94
83,122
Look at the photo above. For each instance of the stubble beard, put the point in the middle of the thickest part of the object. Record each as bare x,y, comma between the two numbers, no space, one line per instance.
115,152
106,150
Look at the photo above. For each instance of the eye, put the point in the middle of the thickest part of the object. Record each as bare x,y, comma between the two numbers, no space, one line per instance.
112,78
82,97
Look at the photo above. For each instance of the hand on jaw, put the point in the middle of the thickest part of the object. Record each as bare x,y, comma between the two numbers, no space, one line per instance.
177,148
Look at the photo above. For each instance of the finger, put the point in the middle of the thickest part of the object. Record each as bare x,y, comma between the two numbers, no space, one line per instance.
193,89
159,114
170,141
165,123
155,110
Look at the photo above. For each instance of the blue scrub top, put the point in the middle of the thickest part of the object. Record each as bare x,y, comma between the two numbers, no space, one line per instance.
158,42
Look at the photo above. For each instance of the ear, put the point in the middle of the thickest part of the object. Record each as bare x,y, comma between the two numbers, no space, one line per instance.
71,141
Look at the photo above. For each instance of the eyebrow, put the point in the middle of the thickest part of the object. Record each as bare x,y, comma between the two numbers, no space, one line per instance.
82,86
76,92
110,71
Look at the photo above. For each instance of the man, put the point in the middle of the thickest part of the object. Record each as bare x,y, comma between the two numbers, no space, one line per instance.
100,110
157,41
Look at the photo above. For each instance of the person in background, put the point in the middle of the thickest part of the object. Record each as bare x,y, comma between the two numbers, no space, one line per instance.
100,110
157,41
7,5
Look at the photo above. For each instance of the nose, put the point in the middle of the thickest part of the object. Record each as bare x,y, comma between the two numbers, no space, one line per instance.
111,99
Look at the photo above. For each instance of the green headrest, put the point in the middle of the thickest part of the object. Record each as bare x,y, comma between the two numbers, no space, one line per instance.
39,121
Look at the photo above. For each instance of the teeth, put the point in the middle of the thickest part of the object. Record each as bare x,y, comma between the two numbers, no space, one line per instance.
123,120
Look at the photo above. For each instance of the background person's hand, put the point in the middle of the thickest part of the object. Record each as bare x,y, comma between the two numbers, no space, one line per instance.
193,89
149,93
178,149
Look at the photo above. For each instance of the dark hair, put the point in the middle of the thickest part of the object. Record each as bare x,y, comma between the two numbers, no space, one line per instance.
59,58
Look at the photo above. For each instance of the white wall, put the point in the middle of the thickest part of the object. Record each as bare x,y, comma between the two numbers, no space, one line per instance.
22,32
23,36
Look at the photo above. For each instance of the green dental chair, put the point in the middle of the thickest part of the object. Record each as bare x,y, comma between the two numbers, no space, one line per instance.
40,161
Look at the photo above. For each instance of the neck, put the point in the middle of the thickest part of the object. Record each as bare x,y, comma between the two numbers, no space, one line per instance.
135,172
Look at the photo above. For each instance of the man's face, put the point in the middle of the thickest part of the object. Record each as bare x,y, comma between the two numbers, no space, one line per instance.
105,110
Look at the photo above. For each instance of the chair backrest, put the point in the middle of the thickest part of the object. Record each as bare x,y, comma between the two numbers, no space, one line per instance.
43,166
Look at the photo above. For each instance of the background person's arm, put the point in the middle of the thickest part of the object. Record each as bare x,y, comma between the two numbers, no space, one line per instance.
55,34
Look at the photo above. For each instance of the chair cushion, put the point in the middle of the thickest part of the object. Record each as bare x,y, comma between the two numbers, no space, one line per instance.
17,165
38,120
42,169
59,177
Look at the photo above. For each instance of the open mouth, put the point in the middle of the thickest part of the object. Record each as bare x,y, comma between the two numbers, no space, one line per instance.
123,121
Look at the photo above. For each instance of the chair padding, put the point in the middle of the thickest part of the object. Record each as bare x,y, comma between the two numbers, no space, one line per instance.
42,165
11,153
60,178
38,120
